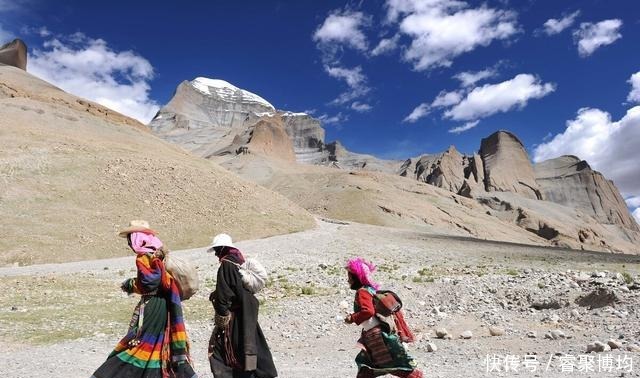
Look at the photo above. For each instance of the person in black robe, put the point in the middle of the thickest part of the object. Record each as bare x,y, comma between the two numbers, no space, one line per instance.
237,348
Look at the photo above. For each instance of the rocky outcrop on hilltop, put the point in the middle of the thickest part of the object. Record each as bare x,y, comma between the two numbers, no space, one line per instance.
14,54
307,136
339,156
205,116
449,170
507,167
213,117
561,204
269,138
569,181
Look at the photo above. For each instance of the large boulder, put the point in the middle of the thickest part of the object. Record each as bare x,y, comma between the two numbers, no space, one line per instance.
507,166
14,54
569,181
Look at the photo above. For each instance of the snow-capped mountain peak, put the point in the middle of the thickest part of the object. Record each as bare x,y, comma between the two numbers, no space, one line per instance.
227,91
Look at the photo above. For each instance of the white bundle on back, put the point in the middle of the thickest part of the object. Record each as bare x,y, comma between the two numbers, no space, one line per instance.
254,275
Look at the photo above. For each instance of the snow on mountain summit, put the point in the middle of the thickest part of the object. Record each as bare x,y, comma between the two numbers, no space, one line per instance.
227,91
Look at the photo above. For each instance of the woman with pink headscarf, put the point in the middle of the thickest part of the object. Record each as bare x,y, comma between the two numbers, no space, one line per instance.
382,351
156,344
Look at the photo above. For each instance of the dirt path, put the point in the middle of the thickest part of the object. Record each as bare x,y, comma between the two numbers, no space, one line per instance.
461,284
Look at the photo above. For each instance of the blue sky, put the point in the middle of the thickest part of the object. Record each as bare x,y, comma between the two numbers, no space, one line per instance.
393,78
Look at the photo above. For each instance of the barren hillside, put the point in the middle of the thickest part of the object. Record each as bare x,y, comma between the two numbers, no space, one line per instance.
388,200
73,172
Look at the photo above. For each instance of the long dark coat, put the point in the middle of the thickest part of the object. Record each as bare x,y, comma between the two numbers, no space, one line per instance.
249,355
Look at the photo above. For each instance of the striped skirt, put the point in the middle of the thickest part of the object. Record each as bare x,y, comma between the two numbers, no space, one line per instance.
144,351
383,353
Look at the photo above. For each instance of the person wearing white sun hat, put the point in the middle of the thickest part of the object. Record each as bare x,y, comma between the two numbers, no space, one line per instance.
221,240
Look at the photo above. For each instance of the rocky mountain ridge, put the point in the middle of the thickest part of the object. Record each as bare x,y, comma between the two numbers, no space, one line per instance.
500,176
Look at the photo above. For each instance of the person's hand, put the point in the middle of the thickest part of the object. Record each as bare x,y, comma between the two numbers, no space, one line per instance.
161,253
221,321
127,285
348,319
212,296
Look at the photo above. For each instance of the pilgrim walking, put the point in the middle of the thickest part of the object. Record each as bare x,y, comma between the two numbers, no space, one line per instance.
382,352
156,345
238,348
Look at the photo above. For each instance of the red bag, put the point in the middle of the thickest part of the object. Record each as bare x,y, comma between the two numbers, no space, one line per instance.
386,302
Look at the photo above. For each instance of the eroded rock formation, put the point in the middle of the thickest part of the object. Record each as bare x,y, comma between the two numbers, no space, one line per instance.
569,181
561,201
507,167
14,54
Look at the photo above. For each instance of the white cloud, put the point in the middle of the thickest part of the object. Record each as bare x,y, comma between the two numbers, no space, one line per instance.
360,107
636,215
592,36
463,128
441,30
610,147
419,112
354,78
444,99
333,120
555,26
89,68
494,98
634,95
343,29
469,78
386,45
633,201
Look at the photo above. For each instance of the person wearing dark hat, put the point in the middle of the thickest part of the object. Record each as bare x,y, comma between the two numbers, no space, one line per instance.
156,345
237,348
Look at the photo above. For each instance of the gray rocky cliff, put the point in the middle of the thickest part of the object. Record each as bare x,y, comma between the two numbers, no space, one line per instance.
206,116
307,136
507,167
561,200
569,181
